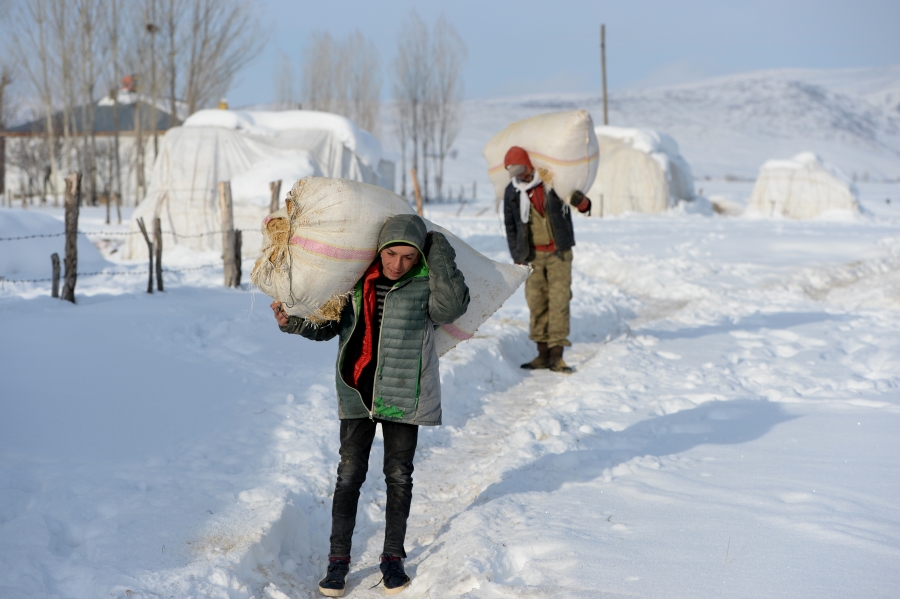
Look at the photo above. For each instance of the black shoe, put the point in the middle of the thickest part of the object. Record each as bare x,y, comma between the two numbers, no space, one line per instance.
542,361
557,364
393,574
333,583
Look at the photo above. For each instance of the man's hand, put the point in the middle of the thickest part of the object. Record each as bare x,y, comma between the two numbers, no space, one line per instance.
580,202
280,315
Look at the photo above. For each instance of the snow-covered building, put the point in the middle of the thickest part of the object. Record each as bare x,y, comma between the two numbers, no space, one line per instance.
640,170
138,122
249,149
802,187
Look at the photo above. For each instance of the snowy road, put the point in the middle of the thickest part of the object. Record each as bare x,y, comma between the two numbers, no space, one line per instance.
730,432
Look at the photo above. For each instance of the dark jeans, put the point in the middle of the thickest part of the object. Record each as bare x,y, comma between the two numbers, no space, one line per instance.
399,450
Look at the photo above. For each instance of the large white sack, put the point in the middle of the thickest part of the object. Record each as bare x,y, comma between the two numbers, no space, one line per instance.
318,246
562,147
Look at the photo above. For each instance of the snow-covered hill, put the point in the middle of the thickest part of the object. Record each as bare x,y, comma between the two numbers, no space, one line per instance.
729,125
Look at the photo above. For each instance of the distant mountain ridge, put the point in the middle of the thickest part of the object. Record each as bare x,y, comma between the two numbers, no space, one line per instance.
730,125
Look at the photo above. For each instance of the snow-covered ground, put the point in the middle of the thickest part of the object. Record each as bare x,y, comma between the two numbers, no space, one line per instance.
730,430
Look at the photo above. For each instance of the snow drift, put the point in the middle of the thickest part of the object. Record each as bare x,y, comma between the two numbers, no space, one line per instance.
802,187
30,258
250,149
640,170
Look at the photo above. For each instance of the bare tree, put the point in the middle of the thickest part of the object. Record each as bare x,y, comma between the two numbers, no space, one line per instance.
224,37
343,77
90,54
285,93
449,53
30,43
401,130
428,90
114,26
411,82
6,81
172,16
6,110
152,29
142,63
63,47
362,80
321,73
8,106
29,157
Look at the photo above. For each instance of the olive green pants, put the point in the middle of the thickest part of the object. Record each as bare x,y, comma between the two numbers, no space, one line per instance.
548,291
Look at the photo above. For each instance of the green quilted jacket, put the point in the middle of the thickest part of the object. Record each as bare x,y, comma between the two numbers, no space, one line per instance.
407,385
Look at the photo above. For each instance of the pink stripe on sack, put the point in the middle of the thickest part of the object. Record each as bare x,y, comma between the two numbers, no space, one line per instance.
266,220
456,332
330,251
552,160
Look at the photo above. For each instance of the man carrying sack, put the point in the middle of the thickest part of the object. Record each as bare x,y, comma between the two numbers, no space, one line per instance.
387,373
539,231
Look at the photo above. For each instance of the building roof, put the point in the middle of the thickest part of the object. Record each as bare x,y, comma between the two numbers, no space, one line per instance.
104,121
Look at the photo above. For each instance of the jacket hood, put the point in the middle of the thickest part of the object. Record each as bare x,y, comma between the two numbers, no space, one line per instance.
408,229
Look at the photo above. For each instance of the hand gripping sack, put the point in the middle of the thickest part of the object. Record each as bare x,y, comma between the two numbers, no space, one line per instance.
562,146
318,246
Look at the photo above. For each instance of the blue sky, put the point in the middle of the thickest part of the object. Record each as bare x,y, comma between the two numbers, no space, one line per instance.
527,46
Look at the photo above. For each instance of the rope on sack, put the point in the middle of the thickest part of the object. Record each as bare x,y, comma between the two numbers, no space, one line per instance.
279,232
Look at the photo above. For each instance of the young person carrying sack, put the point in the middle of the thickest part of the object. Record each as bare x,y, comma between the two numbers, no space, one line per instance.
539,231
387,373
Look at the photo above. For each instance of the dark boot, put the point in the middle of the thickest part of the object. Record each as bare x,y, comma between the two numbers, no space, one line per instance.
393,574
542,361
335,578
557,364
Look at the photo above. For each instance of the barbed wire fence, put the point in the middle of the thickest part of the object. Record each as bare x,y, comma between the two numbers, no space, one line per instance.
231,241
124,273
114,234
106,234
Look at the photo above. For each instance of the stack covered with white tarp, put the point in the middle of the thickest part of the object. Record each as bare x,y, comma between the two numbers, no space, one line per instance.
640,170
249,149
802,187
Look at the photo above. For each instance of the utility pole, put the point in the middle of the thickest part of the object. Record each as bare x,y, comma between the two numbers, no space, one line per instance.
603,67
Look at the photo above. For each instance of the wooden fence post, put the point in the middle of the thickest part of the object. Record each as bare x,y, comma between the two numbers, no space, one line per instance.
226,209
143,229
54,260
238,241
73,201
415,179
275,190
157,244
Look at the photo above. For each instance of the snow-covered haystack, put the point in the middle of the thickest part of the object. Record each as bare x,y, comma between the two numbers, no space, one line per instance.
640,170
249,149
802,187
